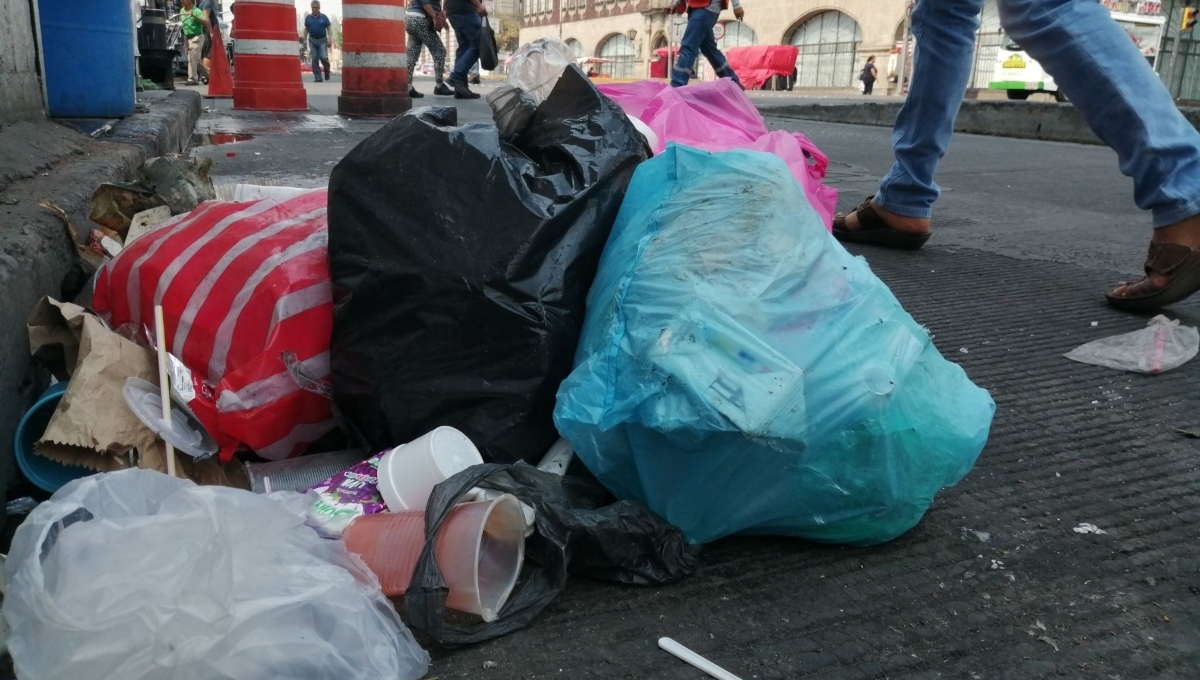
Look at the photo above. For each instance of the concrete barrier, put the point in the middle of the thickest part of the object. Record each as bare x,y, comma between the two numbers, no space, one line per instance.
1046,121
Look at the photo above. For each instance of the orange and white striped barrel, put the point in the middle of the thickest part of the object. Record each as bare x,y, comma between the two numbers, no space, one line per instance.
266,51
374,70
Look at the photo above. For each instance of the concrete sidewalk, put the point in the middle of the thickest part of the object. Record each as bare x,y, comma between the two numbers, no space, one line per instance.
48,161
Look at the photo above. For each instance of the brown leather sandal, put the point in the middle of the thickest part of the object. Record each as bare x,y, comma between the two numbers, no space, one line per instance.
873,230
1179,262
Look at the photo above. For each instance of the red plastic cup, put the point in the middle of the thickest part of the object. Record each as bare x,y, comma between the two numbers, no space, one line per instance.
479,550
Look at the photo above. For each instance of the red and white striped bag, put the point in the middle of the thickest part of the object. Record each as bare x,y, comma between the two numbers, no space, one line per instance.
247,297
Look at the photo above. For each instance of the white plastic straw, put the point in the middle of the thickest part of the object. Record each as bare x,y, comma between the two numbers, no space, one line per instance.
160,330
695,659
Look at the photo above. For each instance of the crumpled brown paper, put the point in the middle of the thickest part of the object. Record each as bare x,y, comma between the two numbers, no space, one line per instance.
92,426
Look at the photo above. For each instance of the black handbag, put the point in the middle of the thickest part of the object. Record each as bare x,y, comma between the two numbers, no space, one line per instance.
489,58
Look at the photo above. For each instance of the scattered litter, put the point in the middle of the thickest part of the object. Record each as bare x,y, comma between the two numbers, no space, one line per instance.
345,496
964,350
115,203
683,653
182,431
1189,432
1151,581
302,473
1161,346
983,536
145,221
20,506
1048,641
89,259
997,564
579,530
198,582
488,665
1086,528
536,67
1095,323
178,181
682,373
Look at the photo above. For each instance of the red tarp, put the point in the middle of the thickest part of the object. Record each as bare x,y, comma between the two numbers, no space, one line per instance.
755,65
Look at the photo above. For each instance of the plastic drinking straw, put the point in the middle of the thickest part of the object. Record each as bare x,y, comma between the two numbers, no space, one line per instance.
695,659
160,329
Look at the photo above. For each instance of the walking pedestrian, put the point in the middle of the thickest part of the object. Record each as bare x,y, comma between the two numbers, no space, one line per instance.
193,24
209,7
1107,78
868,76
316,34
466,17
424,21
698,39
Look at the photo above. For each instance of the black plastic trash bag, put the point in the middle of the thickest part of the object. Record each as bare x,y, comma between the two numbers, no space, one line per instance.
461,265
576,532
512,109
489,57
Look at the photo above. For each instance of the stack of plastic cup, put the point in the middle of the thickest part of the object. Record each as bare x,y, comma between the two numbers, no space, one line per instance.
408,473
479,550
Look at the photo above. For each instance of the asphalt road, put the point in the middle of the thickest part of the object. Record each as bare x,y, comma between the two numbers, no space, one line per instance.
1001,579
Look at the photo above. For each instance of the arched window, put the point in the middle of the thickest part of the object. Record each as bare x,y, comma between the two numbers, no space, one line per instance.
576,47
623,53
828,44
660,41
737,34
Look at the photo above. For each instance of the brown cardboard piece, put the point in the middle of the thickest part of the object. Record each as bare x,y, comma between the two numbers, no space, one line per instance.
54,331
92,425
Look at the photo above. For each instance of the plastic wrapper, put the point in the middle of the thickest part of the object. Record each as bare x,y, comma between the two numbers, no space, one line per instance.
512,109
246,294
718,116
537,66
1162,345
740,372
346,495
756,64
459,301
136,575
579,531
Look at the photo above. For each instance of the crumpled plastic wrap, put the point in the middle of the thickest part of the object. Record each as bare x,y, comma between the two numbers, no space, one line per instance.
1162,345
139,576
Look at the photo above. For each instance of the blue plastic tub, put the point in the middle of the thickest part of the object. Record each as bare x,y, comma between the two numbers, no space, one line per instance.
87,58
43,472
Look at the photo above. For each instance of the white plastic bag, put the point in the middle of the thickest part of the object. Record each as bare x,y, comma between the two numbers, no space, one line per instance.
1162,345
136,575
537,66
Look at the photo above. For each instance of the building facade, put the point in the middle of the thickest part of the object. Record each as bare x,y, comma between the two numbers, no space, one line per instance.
834,36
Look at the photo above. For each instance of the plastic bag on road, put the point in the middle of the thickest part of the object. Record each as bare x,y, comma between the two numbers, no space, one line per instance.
718,116
740,372
248,303
578,531
537,66
461,265
1162,345
137,575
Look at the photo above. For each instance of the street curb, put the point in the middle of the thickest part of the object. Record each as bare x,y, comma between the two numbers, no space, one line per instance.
36,256
1044,121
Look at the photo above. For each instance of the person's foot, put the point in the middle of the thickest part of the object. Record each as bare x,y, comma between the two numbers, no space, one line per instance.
203,80
327,75
190,83
1174,252
413,94
442,91
461,91
900,223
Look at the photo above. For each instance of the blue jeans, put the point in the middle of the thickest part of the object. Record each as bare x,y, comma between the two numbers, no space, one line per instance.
1095,64
698,39
466,31
318,49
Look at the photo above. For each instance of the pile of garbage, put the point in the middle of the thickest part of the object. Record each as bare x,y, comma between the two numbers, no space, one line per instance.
584,340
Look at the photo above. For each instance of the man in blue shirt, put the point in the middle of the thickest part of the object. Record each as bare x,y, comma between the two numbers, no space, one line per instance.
316,32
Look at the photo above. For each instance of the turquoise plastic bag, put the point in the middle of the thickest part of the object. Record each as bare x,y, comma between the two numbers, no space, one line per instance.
741,373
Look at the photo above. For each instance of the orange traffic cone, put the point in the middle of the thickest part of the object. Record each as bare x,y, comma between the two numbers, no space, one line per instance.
220,83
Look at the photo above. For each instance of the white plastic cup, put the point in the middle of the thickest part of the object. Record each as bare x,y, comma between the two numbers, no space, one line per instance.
408,473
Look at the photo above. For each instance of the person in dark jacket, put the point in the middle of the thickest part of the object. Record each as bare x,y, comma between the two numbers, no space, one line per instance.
868,76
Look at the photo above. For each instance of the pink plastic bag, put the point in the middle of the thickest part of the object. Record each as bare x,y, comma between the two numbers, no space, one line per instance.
718,116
